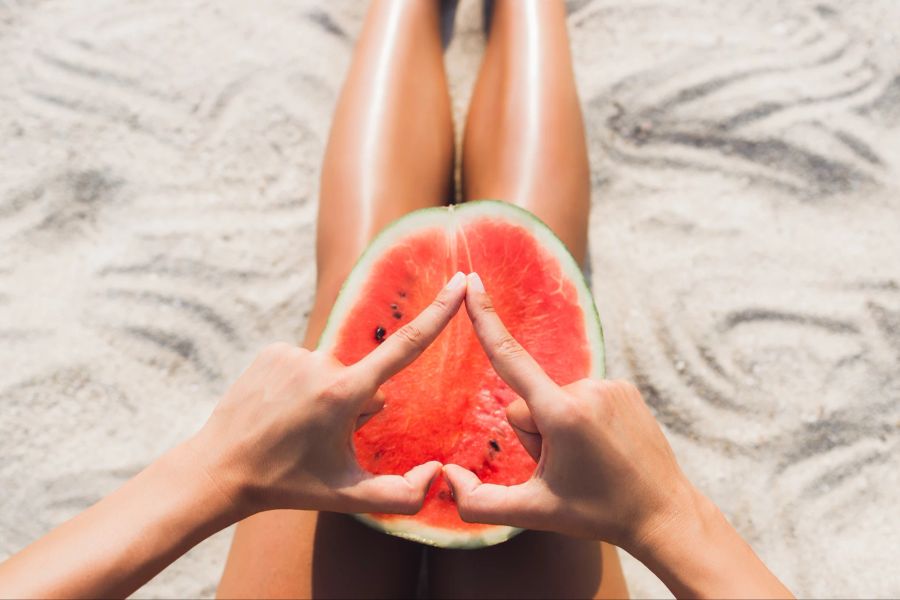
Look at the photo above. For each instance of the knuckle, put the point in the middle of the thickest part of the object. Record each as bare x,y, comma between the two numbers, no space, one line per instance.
441,303
570,411
604,409
410,334
324,362
589,387
393,499
339,389
507,347
598,386
627,388
282,355
412,503
466,509
604,393
276,351
486,305
300,355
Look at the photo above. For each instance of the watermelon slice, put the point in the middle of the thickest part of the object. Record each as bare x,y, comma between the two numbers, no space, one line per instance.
449,404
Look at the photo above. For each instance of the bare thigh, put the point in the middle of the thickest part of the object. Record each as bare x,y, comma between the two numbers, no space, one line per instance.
306,554
390,151
525,143
531,565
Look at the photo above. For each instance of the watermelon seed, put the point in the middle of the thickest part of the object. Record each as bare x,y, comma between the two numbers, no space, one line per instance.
379,334
495,445
402,294
398,315
394,307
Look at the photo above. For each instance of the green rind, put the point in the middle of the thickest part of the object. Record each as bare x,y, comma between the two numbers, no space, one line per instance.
406,528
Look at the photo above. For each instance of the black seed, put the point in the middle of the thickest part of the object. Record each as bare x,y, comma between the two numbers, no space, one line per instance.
379,334
377,456
495,445
394,307
402,294
398,315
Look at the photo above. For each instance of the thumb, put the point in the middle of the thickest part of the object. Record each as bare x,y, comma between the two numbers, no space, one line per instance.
526,430
524,505
393,494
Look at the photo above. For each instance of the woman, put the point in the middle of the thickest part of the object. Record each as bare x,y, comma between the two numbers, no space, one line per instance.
279,439
391,151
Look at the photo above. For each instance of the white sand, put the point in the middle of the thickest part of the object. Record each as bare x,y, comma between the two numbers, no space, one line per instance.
158,178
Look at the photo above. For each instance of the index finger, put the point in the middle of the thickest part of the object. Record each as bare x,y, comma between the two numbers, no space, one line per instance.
407,343
511,361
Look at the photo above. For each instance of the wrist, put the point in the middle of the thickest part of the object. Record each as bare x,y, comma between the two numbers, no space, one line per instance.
697,553
683,513
223,483
677,543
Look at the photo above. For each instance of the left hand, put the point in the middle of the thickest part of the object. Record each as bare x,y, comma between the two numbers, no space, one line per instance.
281,436
605,469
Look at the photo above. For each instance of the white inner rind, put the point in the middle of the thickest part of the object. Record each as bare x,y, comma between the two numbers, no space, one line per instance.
417,531
452,219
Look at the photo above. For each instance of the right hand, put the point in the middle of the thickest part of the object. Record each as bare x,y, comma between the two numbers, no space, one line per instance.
282,435
605,469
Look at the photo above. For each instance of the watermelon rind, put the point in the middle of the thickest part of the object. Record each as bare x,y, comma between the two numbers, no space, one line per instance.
451,217
415,531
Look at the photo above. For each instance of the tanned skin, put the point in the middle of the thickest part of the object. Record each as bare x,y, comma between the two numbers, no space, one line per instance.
281,439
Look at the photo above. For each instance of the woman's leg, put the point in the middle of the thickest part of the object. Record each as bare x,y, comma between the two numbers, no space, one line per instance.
525,143
524,139
390,151
531,565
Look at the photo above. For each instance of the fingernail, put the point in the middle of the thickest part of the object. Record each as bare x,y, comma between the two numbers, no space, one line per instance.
456,281
475,282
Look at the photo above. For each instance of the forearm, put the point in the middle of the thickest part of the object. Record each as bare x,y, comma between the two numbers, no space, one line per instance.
123,541
700,555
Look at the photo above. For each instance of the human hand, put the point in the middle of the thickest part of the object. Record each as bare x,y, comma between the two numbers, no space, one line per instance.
605,469
281,436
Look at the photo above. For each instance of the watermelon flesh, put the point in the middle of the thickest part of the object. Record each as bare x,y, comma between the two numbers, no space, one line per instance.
449,405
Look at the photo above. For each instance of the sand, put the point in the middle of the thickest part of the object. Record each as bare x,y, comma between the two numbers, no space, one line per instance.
158,185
